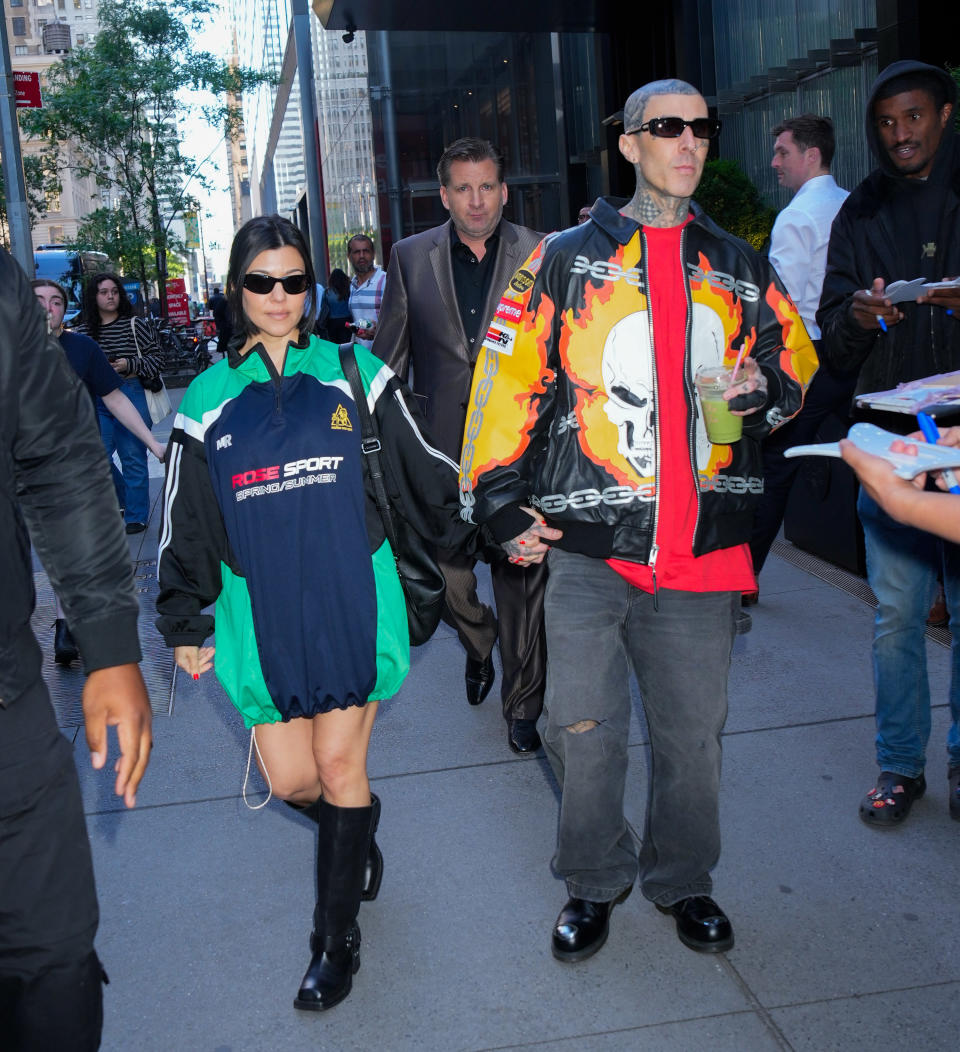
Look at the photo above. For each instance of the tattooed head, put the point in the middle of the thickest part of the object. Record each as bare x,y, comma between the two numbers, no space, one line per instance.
635,107
667,156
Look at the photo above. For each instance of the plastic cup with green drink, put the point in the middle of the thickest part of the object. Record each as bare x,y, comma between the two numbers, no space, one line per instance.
722,426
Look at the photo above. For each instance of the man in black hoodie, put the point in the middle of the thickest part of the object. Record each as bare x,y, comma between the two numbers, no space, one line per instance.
901,222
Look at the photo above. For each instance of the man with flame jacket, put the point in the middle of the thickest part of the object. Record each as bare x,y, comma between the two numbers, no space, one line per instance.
584,433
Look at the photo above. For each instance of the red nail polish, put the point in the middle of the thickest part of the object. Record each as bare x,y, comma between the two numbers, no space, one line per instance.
196,675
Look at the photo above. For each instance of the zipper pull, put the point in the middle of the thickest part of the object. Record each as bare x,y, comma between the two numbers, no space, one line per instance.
654,551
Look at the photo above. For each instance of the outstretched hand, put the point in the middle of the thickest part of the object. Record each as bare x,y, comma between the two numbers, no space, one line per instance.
117,697
906,501
877,476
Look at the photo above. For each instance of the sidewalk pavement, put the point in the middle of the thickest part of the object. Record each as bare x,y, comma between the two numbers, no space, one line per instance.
846,938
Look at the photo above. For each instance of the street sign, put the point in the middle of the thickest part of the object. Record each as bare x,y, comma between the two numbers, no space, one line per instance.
27,87
178,308
178,302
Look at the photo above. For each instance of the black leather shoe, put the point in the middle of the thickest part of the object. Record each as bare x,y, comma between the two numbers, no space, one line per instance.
582,928
136,527
64,648
479,678
701,924
522,736
329,976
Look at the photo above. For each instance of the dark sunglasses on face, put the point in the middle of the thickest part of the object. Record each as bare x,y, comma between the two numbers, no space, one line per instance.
672,127
262,284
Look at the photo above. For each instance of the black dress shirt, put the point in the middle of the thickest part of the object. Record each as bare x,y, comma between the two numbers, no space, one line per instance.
471,280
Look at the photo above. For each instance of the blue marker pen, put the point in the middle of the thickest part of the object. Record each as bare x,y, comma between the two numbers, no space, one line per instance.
931,434
879,317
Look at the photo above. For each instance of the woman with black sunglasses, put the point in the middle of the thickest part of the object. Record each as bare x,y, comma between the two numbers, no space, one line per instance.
268,511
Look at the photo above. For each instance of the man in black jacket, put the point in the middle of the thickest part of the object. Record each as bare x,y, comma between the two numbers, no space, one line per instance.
585,438
217,305
55,480
901,222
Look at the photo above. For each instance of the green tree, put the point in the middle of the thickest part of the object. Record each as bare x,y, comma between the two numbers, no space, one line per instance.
107,230
731,200
117,101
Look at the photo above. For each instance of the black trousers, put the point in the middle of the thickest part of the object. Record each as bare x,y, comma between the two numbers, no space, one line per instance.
828,393
518,623
50,978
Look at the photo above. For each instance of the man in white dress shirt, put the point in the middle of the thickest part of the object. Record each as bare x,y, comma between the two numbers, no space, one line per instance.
802,154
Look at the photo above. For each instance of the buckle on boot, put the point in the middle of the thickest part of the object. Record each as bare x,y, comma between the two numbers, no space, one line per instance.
349,940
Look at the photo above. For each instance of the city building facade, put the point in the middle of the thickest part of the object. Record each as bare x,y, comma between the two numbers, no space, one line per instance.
39,35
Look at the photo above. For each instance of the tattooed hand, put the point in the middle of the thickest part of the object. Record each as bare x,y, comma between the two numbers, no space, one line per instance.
529,547
749,393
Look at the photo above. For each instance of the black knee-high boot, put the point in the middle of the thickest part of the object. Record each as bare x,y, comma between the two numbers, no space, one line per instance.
342,848
373,871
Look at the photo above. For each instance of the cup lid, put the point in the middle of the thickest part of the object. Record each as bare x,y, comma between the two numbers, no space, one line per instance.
718,375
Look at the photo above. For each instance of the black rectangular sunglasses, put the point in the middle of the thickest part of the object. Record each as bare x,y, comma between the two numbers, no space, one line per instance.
262,284
672,127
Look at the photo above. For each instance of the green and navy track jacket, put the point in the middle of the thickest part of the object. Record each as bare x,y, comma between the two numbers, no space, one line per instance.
269,512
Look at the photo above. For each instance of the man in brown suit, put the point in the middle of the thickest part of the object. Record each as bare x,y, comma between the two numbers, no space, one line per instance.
442,289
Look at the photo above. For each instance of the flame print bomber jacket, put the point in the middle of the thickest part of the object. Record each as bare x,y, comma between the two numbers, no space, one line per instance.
563,413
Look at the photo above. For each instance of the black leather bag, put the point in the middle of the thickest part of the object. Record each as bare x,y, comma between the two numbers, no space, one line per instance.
420,576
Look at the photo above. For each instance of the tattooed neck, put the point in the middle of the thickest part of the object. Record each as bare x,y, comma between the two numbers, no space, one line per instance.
654,209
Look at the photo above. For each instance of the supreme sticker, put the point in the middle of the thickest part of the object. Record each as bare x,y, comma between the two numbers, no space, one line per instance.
508,311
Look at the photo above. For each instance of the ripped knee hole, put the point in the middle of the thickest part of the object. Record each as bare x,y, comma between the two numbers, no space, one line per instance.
581,726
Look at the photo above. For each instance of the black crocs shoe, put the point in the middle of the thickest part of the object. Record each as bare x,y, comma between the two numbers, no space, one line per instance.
889,802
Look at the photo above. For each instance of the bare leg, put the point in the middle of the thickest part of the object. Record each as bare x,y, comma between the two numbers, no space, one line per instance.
340,742
323,756
285,758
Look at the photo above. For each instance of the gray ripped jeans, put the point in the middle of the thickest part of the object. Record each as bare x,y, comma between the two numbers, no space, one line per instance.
600,628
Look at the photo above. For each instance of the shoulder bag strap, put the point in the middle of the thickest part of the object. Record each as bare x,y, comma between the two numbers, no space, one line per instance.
370,442
136,342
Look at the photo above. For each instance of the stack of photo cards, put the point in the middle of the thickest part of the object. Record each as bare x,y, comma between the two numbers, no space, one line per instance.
934,395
